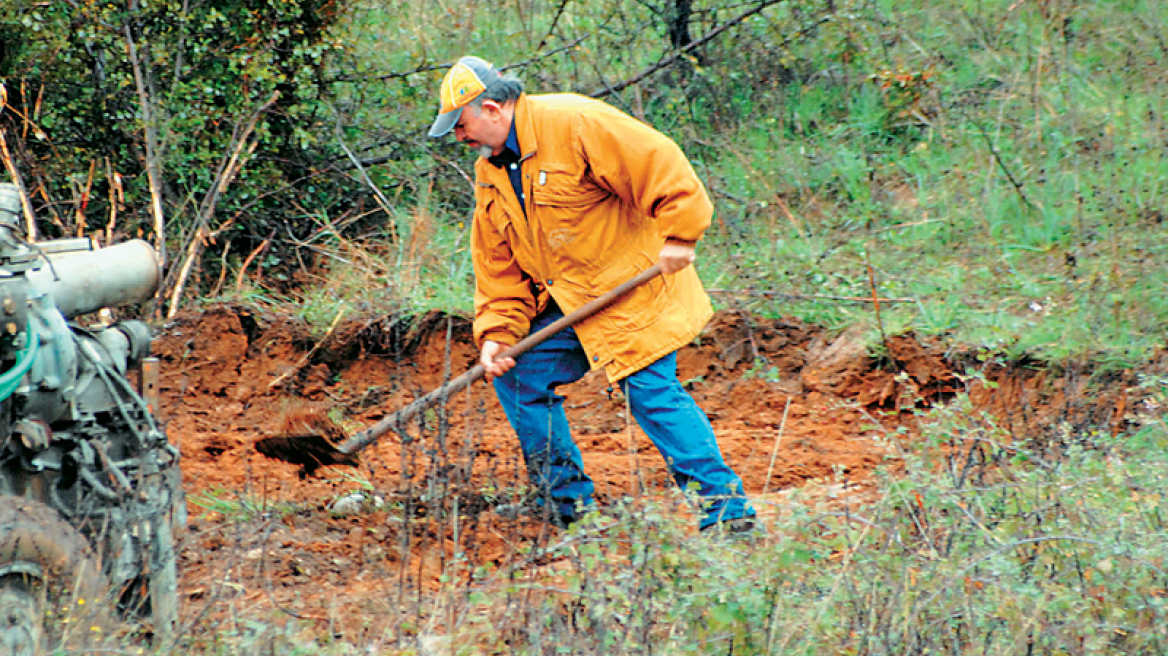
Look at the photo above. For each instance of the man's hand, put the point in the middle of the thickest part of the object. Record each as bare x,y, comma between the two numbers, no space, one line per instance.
675,256
493,365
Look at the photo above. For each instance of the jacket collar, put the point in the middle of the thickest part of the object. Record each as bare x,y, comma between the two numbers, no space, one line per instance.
524,127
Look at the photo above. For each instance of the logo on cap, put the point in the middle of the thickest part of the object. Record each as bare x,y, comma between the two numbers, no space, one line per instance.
468,78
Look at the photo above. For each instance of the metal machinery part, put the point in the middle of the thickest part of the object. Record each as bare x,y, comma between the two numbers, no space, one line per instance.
75,435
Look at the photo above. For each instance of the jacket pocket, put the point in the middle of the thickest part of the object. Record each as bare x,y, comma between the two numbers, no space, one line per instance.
491,210
640,307
564,189
577,221
568,198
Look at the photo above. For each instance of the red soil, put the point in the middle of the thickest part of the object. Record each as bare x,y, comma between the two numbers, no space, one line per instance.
791,405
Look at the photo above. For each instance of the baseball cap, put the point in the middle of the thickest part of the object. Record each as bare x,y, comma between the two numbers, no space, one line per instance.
469,77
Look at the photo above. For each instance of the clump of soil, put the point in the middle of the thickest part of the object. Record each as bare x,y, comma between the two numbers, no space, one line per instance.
791,404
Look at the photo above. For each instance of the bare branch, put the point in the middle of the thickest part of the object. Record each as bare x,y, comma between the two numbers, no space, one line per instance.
382,201
14,173
1006,170
555,21
422,68
668,60
227,173
153,163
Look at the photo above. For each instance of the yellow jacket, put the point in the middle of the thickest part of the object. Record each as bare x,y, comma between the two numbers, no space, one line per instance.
603,192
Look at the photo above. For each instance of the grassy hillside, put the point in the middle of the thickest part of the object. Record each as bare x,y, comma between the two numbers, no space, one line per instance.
995,169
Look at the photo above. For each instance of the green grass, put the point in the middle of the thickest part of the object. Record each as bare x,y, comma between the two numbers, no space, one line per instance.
235,507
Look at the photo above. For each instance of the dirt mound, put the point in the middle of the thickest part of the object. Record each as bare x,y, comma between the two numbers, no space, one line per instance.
790,403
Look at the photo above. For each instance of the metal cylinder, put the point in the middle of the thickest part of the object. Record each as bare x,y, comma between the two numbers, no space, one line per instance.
81,283
151,373
9,206
65,247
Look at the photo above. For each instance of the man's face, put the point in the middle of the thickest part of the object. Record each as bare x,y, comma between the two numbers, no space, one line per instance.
484,129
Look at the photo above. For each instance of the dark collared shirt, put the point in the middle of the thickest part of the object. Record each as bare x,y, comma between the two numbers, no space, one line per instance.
509,159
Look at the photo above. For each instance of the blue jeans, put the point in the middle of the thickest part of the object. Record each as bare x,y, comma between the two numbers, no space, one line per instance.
664,410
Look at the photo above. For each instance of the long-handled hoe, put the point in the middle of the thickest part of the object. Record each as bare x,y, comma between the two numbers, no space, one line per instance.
311,451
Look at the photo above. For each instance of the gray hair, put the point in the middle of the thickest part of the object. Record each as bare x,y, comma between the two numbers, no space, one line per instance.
504,90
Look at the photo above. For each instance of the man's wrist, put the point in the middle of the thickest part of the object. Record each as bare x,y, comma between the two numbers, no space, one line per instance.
502,339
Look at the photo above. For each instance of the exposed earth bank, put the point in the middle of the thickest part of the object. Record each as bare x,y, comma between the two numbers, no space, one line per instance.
344,548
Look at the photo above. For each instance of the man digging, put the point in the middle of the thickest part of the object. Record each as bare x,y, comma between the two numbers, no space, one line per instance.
573,197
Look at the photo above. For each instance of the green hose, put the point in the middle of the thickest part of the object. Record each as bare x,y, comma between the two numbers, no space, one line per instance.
10,379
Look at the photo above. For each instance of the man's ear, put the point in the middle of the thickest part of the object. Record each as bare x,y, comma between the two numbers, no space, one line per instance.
491,108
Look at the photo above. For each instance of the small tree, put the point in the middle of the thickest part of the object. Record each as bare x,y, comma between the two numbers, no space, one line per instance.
131,118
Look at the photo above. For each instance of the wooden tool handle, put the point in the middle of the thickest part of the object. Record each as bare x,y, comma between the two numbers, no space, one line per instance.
401,418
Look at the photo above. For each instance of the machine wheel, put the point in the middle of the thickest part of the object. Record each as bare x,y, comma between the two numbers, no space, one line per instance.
21,633
52,593
164,582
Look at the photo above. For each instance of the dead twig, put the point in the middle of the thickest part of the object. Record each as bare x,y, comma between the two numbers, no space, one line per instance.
808,297
117,198
14,173
910,224
83,201
997,155
42,188
222,268
378,196
775,452
246,263
876,302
